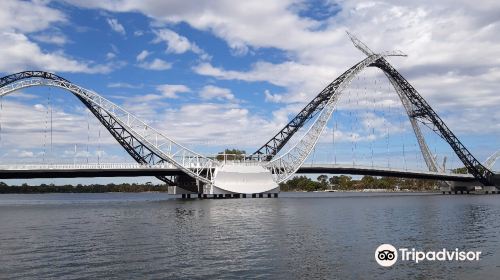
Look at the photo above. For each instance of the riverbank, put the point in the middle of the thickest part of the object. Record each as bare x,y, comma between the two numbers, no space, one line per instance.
95,188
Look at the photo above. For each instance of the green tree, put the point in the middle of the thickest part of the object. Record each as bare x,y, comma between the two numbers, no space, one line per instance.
334,182
369,182
231,154
323,181
345,182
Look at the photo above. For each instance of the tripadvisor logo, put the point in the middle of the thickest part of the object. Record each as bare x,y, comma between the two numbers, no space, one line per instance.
387,255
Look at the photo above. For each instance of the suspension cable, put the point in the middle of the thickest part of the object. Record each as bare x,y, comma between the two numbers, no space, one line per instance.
403,139
88,135
99,146
1,110
334,149
46,130
51,125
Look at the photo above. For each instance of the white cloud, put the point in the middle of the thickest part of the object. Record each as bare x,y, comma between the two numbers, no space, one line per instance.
155,64
455,70
212,92
142,55
28,16
24,126
115,25
124,85
26,154
177,44
110,55
17,53
319,50
201,124
291,75
171,91
269,97
56,39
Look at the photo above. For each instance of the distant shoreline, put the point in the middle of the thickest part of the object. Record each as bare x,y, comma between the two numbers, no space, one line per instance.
41,190
368,191
111,188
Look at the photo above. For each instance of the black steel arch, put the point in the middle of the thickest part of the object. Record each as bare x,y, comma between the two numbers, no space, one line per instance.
134,147
421,111
278,141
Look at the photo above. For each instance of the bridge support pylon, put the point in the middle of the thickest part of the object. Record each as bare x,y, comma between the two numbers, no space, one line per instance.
457,187
242,178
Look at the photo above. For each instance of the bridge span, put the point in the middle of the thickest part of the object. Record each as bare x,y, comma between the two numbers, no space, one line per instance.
137,170
158,155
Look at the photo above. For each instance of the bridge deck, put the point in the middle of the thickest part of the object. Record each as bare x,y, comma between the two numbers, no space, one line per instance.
131,170
379,171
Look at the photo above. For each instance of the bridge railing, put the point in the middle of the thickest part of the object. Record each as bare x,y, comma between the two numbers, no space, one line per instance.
85,166
369,167
236,159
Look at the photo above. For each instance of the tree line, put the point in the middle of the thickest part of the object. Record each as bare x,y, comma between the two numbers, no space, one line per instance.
93,188
343,182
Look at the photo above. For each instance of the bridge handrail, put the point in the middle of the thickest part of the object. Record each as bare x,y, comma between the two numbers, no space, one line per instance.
368,167
87,166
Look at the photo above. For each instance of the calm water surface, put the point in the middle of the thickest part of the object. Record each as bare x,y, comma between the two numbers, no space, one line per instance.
297,236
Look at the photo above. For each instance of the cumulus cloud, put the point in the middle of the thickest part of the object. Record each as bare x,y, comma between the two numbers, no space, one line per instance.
124,85
116,26
18,53
155,64
201,125
36,16
142,55
177,44
56,39
216,93
269,97
456,71
319,50
171,91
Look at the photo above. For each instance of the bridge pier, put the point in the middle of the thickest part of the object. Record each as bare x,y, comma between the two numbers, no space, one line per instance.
229,195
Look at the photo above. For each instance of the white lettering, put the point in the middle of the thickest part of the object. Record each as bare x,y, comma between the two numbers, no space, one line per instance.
442,255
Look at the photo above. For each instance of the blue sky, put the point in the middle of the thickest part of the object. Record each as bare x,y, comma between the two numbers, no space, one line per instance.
220,74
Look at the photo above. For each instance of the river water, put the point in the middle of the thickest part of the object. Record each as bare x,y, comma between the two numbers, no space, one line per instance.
296,236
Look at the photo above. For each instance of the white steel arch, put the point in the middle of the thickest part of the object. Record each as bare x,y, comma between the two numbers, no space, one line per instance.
192,163
284,166
490,161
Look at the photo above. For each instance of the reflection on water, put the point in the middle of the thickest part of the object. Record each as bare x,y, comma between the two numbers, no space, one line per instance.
330,235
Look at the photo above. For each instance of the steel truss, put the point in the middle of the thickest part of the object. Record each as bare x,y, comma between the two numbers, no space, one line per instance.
416,107
490,161
421,111
287,164
276,143
145,144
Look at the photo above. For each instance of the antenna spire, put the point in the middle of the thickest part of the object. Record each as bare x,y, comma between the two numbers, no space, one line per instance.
366,50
